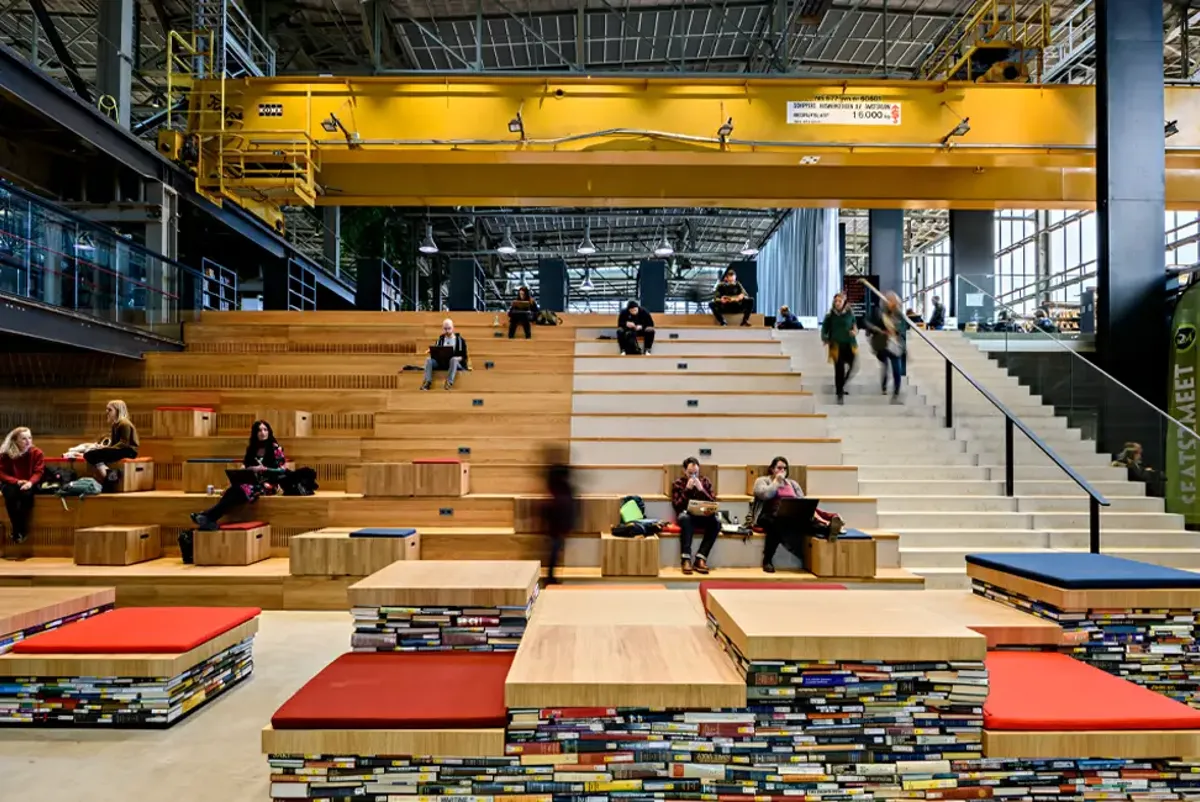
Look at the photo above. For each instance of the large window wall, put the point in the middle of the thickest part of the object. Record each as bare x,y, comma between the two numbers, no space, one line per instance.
1042,257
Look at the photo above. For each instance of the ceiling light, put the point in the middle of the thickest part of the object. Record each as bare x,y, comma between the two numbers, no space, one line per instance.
1171,128
806,160
586,284
664,248
587,247
749,250
507,246
428,245
517,126
963,127
726,130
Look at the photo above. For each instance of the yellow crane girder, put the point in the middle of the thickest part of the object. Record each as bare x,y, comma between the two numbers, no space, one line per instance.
609,141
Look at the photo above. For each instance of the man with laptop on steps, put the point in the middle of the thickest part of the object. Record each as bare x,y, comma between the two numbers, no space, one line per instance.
695,508
449,353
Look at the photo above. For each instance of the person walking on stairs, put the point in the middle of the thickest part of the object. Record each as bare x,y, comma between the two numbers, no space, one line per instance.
839,332
634,322
890,335
457,361
21,467
689,487
730,296
559,511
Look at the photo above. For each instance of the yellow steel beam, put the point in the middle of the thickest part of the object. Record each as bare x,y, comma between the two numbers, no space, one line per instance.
610,141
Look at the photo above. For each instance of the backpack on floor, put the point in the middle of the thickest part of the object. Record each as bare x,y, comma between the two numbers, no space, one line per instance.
547,318
54,479
80,489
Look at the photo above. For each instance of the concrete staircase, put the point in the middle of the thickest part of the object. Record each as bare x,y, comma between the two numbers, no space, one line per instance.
942,489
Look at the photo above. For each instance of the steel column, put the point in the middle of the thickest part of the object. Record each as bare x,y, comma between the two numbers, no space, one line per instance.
115,44
60,50
972,257
1132,337
331,238
886,248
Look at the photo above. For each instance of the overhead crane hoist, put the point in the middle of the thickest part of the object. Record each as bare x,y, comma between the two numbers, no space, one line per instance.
611,141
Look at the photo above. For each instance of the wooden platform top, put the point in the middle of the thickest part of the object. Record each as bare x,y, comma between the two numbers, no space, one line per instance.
863,625
664,666
435,743
620,607
140,666
430,583
24,608
1094,599
1001,625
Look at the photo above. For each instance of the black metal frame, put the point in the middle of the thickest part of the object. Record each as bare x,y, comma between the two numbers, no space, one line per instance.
1011,422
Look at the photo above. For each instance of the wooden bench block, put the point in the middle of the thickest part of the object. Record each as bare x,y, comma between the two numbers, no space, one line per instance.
137,475
628,556
287,422
185,422
388,479
441,478
198,475
117,545
241,546
332,552
844,557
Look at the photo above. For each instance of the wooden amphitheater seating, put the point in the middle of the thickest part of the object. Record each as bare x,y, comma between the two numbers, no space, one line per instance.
26,611
126,654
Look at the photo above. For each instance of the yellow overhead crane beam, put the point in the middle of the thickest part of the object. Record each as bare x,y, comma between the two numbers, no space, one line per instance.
610,141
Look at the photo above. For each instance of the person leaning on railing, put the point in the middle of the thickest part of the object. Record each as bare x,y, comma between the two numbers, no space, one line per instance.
121,443
21,467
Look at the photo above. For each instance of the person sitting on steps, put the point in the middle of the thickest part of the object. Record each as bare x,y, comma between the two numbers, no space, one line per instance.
522,313
768,491
691,486
787,321
730,296
634,322
121,443
21,467
449,339
264,456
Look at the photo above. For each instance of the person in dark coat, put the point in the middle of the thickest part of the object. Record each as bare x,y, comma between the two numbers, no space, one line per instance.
559,510
265,457
839,332
522,313
634,322
937,320
730,296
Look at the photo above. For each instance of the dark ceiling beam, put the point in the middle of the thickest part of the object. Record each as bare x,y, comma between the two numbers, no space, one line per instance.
160,14
60,50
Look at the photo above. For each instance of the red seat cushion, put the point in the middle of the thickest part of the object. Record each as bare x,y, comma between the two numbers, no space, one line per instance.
735,584
135,459
1048,691
463,690
243,526
438,461
139,630
183,409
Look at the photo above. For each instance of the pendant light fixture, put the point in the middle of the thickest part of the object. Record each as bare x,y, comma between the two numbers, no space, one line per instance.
428,245
507,246
587,247
749,250
664,248
586,285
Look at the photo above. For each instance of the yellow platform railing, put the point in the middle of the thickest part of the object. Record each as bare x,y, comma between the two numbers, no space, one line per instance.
990,24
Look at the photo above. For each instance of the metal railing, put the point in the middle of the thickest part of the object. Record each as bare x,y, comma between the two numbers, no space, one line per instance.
1096,499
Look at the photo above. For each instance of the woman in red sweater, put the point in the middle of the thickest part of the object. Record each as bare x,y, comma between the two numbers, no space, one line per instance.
21,466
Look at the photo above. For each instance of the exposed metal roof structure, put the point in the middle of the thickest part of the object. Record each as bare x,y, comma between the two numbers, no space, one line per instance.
814,38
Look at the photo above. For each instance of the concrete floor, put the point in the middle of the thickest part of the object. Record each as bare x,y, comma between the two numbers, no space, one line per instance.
212,755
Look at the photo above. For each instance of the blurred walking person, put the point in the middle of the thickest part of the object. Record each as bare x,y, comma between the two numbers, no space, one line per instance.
559,510
889,332
839,332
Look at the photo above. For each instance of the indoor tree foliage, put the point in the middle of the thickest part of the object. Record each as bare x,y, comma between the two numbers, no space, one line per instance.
381,232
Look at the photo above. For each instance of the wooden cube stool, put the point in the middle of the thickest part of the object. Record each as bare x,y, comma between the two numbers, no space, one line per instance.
287,422
233,544
185,422
441,477
137,475
117,545
198,474
380,479
848,556
351,552
628,556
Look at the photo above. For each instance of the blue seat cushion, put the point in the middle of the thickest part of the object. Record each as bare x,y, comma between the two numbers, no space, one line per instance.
383,532
1086,571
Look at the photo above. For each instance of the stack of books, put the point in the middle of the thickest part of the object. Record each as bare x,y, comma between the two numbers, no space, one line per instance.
122,702
1158,649
439,629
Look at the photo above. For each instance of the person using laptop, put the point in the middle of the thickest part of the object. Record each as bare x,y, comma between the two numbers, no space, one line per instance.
449,353
769,491
729,296
787,321
264,460
522,312
634,322
688,488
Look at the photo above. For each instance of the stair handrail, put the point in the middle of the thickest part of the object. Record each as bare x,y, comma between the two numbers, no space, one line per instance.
1096,499
1091,365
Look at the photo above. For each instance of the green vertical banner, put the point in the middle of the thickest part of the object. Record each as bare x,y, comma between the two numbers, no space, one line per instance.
1183,497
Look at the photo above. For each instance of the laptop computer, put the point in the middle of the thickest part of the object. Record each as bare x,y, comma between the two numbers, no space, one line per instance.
245,476
441,353
797,512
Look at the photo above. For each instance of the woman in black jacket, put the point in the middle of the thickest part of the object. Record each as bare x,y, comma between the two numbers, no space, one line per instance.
521,313
264,456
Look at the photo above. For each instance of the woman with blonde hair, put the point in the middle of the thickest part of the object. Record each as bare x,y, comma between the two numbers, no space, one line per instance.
121,443
21,466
